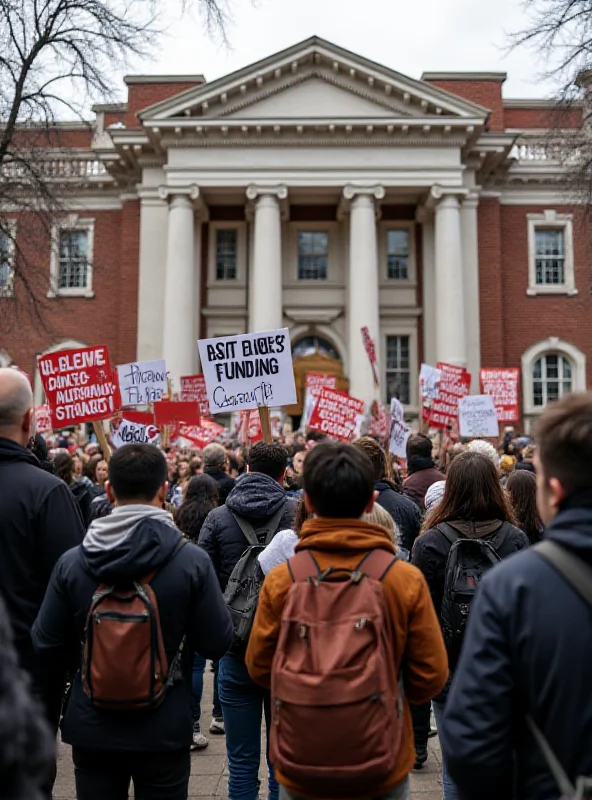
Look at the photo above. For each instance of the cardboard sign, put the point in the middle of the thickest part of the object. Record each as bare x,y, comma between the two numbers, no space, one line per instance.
193,389
455,383
79,385
337,414
477,416
134,427
429,383
247,371
400,432
142,382
504,386
170,412
315,381
370,347
201,435
43,417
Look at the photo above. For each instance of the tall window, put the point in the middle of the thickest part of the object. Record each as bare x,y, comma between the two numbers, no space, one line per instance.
313,255
550,256
73,259
551,379
397,254
226,254
397,369
6,263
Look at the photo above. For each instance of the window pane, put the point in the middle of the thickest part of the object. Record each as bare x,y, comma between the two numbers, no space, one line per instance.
552,390
550,256
397,248
552,370
5,260
566,368
73,259
313,252
397,368
226,254
537,388
537,371
566,387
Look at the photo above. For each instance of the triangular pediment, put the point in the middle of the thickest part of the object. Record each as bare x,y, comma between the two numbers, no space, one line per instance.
311,80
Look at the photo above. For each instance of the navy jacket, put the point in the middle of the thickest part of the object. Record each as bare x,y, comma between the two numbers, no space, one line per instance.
528,647
126,546
403,510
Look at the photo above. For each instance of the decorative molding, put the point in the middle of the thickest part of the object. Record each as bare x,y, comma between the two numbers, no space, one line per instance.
311,315
352,190
255,190
320,142
168,192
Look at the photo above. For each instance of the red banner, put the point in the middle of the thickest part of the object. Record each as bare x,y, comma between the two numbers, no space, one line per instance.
504,386
337,414
455,383
79,385
170,412
193,389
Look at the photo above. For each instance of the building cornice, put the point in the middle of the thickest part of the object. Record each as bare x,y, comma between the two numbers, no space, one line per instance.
465,76
131,80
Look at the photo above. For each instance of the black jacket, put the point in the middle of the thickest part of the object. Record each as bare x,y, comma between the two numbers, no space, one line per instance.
225,483
255,497
528,647
127,545
403,510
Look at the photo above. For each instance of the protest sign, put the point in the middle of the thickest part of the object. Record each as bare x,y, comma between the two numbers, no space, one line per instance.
429,381
249,430
503,385
43,417
370,346
379,422
79,385
142,382
337,414
248,371
477,416
175,412
315,381
193,389
133,427
455,383
400,432
201,435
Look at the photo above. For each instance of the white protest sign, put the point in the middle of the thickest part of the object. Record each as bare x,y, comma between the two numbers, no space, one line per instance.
477,416
400,432
429,381
129,432
248,371
142,382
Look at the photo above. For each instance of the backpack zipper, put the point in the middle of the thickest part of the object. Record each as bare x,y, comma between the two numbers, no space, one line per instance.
116,616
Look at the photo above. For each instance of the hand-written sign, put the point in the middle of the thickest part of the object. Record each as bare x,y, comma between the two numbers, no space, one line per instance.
142,382
477,416
337,414
429,381
503,385
400,432
455,382
43,417
79,385
248,371
315,381
134,427
193,388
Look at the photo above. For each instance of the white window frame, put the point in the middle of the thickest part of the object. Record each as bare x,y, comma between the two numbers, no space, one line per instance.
551,220
548,347
335,254
71,223
312,232
241,254
11,228
404,328
383,228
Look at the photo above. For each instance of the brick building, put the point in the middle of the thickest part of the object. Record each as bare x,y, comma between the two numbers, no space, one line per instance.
318,190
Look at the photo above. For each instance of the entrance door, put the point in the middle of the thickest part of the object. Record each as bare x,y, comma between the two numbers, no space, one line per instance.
314,360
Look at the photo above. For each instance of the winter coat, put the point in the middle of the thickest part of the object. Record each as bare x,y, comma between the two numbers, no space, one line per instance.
417,484
255,497
528,647
225,483
127,545
403,510
418,643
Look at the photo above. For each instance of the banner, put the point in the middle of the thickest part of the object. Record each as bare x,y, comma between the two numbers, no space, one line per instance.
337,414
143,382
400,432
315,381
43,417
133,427
248,371
193,389
504,386
477,416
370,346
170,412
79,385
201,435
455,383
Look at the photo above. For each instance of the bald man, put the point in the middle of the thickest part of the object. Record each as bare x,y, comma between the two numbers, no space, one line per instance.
39,521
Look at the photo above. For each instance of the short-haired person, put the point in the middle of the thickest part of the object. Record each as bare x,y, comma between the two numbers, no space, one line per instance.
215,460
258,498
338,490
421,468
528,646
150,747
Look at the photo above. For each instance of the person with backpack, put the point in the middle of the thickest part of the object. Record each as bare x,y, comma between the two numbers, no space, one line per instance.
234,536
468,533
141,599
345,636
518,720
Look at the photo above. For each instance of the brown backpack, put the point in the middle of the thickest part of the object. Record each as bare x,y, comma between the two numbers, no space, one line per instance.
124,664
336,700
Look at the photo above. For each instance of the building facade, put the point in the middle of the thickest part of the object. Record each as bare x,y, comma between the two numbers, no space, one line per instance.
320,191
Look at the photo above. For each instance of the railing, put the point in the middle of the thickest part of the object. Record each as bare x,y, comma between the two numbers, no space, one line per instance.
564,151
70,167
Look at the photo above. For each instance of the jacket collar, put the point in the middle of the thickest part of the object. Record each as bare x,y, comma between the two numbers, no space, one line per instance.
344,535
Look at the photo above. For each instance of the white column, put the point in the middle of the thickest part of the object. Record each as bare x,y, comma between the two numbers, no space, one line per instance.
470,253
179,329
266,288
153,254
429,289
363,307
451,341
197,293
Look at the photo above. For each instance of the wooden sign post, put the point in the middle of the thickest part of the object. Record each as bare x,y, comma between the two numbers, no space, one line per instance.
265,424
102,439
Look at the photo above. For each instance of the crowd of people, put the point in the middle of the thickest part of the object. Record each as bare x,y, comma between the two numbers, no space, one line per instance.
340,595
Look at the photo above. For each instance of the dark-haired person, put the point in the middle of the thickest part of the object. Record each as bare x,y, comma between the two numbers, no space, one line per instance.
521,490
475,506
215,460
63,468
528,646
138,538
258,497
338,489
421,468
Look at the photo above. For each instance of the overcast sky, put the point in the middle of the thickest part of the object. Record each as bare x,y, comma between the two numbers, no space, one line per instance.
411,36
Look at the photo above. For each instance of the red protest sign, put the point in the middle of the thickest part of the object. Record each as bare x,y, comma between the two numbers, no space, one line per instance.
193,389
370,346
380,422
43,417
171,412
201,435
79,385
337,414
455,383
504,386
249,429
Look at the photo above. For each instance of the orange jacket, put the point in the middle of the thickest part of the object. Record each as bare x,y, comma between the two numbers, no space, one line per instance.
418,643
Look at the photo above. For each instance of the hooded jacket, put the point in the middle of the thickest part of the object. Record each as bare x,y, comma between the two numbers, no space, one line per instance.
129,544
403,510
418,644
256,497
422,474
528,647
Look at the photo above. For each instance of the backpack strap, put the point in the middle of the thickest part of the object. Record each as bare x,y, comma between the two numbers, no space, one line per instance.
448,532
269,528
572,568
561,778
303,566
376,564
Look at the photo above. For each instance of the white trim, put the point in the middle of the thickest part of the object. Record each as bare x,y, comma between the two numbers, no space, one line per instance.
551,346
70,223
8,291
551,220
241,255
410,282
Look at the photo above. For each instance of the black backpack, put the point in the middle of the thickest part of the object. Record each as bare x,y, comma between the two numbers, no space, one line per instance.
467,562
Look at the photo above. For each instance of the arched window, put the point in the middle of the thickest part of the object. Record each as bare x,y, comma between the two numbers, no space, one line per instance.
550,369
313,344
551,378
